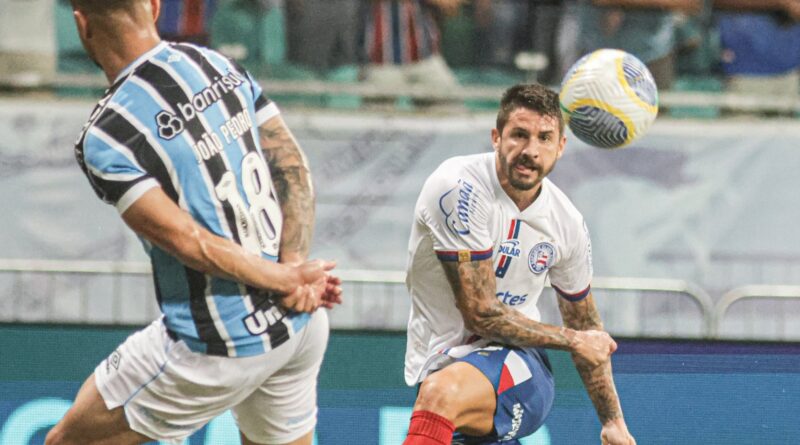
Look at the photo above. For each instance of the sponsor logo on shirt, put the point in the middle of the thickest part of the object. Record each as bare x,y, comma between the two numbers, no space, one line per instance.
510,248
261,320
457,214
541,257
511,299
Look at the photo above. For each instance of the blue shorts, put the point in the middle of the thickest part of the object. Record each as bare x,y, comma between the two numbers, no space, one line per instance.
523,382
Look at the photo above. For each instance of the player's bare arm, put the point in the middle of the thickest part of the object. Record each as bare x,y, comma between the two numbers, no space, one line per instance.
474,286
292,179
598,379
159,220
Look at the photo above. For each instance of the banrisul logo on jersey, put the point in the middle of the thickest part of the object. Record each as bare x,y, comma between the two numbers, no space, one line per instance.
508,249
541,257
456,205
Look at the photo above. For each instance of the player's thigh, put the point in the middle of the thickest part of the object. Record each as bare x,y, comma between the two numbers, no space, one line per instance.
462,393
89,421
168,391
283,410
523,388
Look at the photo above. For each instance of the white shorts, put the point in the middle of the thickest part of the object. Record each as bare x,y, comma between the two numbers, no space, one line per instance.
169,392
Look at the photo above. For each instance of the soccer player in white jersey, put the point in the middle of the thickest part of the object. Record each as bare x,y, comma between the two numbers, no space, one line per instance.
488,231
201,166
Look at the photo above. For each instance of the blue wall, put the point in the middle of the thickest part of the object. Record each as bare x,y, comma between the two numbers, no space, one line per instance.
672,392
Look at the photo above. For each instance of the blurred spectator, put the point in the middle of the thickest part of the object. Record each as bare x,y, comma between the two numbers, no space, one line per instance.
252,32
401,41
644,28
545,18
321,34
186,20
761,51
499,24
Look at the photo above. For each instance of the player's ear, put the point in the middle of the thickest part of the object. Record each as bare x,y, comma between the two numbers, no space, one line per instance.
495,139
561,145
82,23
156,9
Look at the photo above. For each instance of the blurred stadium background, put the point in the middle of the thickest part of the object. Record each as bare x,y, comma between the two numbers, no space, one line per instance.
696,241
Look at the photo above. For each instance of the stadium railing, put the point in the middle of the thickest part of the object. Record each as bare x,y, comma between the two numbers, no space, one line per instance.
106,292
758,311
738,102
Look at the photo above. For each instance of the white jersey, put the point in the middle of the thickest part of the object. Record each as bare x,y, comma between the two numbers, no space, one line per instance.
463,214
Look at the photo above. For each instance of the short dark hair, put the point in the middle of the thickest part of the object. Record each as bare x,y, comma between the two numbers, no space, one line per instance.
534,97
102,6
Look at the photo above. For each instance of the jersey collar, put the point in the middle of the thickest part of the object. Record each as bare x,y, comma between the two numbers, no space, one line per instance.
139,60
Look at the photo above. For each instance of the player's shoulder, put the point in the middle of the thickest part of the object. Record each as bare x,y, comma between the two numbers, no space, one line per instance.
474,170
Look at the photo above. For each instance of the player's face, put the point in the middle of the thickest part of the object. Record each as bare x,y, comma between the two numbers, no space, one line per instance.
527,149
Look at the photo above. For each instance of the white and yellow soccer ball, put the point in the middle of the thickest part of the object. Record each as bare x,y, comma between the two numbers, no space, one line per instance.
609,98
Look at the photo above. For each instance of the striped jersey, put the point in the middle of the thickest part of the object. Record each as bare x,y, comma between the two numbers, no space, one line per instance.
184,118
399,32
463,214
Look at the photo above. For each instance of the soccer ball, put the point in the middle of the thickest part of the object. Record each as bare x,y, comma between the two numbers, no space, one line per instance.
609,98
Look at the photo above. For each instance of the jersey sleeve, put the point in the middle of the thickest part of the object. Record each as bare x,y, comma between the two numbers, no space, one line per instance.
266,109
113,171
572,276
456,212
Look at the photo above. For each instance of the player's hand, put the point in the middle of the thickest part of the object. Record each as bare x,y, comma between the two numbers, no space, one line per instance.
792,9
333,292
615,432
593,347
314,283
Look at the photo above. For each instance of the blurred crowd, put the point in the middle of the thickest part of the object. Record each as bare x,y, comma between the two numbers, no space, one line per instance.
753,44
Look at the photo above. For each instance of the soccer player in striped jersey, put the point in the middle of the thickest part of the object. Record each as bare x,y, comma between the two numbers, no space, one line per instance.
201,166
489,231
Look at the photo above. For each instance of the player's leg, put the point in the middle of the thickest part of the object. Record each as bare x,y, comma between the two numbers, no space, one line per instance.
283,410
306,439
89,422
459,396
491,395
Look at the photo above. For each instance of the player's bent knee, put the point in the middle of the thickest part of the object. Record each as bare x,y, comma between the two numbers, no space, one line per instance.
438,394
56,436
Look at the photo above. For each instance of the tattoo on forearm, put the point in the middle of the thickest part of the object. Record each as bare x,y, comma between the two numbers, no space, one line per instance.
599,380
474,286
292,181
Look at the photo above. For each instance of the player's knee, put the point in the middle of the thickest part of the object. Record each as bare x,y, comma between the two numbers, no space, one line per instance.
438,394
56,436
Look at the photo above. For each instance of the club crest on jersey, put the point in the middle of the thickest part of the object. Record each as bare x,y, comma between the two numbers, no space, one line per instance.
541,257
457,213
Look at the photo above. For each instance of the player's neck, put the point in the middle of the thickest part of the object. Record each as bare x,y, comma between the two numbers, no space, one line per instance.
117,57
522,198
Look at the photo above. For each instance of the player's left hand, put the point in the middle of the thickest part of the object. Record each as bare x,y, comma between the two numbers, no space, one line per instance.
615,432
333,292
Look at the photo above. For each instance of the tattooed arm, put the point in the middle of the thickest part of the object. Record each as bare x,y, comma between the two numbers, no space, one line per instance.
598,379
474,287
292,180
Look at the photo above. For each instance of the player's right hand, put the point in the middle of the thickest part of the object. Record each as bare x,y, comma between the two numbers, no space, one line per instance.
593,347
615,432
317,287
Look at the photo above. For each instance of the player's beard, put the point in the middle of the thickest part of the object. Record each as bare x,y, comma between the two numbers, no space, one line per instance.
524,184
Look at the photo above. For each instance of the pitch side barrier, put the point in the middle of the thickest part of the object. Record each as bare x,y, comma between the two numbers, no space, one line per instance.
107,292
